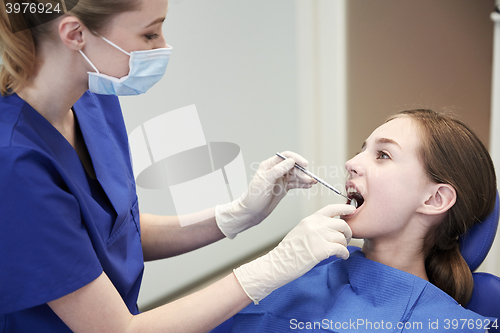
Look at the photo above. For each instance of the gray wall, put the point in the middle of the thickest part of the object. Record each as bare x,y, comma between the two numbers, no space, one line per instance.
236,61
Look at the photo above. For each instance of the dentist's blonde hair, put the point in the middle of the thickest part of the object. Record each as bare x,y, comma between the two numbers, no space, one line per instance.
18,51
452,154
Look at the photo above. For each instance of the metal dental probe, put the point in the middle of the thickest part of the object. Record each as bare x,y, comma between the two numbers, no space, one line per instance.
321,181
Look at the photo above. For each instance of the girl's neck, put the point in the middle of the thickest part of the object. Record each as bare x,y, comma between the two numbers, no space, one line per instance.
403,256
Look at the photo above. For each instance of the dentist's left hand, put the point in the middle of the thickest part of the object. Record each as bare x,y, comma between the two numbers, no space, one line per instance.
270,184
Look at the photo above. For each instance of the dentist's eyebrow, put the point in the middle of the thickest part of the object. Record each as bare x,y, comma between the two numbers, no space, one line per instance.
158,20
382,141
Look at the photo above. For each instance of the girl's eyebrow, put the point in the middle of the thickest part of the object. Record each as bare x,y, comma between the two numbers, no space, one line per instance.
383,140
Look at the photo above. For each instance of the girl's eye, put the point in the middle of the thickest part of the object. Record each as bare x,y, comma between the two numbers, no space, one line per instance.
152,36
382,155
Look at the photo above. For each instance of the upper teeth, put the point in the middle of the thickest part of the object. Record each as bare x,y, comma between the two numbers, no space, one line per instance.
351,190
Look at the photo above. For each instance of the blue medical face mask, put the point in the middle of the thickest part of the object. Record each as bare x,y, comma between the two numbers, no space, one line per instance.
146,68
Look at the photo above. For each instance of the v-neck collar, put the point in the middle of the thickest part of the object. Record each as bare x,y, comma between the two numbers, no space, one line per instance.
62,150
110,171
104,152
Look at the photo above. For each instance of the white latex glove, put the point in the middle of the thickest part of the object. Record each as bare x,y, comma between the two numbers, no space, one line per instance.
314,239
268,186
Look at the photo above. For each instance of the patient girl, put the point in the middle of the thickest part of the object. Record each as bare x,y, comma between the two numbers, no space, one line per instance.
422,180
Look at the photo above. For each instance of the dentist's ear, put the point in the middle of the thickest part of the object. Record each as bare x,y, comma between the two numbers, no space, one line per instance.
442,198
71,31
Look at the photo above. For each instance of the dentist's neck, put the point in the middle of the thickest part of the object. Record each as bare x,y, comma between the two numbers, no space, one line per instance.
58,82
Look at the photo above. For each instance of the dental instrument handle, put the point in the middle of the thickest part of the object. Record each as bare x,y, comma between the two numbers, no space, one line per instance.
313,176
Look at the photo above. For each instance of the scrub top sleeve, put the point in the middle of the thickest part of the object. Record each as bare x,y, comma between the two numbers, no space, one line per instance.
45,249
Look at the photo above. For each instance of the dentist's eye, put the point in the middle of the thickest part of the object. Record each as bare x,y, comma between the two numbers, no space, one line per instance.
382,155
152,36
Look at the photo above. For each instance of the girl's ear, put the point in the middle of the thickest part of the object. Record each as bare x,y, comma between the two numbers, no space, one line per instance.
442,198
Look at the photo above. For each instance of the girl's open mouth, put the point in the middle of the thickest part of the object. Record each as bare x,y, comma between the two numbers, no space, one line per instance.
356,199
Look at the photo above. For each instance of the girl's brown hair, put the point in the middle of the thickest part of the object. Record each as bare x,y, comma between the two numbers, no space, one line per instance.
452,154
18,50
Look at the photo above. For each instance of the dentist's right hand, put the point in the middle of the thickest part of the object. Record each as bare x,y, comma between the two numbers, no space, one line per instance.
314,239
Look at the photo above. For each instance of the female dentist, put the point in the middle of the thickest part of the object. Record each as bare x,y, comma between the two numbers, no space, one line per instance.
72,241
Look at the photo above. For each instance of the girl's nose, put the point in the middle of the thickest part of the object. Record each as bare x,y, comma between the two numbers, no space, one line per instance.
354,167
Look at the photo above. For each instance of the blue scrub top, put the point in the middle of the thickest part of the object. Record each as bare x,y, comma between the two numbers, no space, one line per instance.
60,229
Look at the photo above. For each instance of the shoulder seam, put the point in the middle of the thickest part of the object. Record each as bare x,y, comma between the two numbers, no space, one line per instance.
13,129
29,150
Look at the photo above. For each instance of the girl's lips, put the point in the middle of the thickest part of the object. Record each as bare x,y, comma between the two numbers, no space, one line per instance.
349,216
354,194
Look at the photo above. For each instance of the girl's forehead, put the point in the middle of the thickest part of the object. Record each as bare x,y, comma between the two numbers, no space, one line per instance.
402,130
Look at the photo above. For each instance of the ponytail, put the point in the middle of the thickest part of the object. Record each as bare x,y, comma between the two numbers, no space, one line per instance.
18,55
448,271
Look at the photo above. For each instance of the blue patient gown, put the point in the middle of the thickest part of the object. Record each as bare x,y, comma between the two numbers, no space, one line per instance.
59,228
357,295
